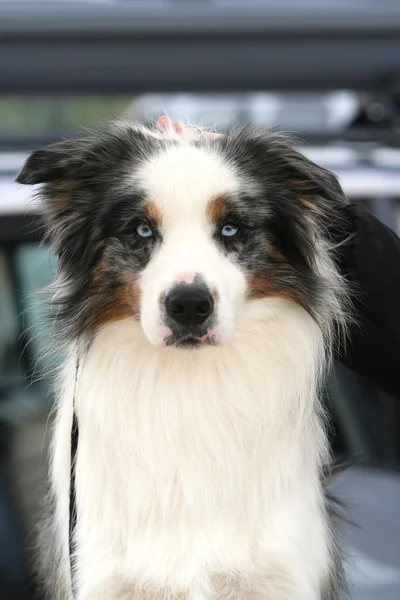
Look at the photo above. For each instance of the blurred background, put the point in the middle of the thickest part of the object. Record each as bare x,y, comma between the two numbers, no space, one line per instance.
328,70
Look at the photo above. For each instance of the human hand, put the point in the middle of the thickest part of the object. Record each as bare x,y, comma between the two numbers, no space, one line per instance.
165,125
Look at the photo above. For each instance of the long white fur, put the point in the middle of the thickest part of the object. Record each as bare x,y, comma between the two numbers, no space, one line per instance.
195,464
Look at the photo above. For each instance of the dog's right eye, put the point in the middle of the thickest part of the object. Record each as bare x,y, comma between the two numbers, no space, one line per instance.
143,230
229,230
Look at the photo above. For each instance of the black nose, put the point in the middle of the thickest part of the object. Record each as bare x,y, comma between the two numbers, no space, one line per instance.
189,305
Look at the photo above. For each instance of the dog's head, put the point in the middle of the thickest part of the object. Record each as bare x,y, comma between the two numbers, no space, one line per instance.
182,233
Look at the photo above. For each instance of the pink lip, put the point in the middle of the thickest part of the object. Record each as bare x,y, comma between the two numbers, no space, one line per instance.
163,333
207,335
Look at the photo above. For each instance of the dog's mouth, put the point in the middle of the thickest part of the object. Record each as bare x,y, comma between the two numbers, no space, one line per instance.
192,340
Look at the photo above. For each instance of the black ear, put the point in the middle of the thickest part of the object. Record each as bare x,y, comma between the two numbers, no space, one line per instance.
108,146
315,181
54,163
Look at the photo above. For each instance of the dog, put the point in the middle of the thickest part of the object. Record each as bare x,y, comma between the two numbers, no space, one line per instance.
199,302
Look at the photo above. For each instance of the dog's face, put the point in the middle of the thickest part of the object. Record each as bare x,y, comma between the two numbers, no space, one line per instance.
191,286
181,233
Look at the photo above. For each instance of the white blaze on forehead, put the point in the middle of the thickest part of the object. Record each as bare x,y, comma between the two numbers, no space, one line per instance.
181,182
183,179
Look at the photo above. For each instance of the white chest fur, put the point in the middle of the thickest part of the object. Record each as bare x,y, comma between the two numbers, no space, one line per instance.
197,462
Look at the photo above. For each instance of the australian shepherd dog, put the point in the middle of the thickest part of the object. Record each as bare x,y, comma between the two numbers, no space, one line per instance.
199,301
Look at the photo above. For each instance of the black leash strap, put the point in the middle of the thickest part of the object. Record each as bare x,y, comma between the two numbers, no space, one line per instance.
72,491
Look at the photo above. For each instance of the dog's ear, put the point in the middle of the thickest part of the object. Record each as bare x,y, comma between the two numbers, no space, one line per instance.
60,167
80,158
78,175
273,156
308,199
314,185
320,195
57,162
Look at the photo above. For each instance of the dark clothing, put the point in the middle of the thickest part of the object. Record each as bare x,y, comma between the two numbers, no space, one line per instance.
371,261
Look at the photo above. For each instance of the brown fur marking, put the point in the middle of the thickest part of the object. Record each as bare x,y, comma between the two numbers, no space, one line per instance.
307,203
124,304
98,271
120,302
217,208
306,199
274,253
299,185
154,214
262,286
60,194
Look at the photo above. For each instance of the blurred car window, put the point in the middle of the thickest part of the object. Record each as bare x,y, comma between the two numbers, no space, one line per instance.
38,117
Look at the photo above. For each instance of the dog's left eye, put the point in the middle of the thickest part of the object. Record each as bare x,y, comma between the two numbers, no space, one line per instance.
144,230
229,230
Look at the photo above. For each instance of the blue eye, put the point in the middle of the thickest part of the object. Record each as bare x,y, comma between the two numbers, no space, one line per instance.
144,231
229,230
